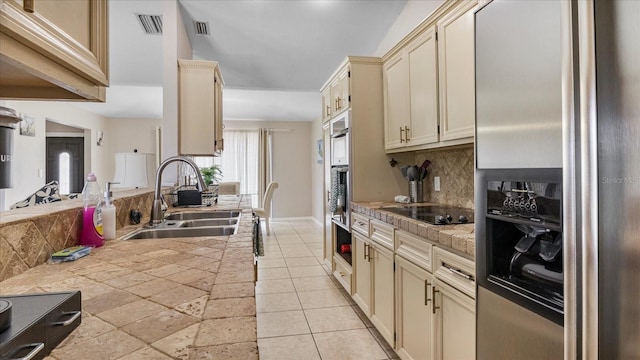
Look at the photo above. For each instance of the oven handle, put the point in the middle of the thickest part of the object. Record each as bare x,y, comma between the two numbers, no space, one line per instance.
76,314
38,347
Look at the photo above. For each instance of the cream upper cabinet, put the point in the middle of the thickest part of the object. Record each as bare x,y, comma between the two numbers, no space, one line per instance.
200,108
411,94
326,104
414,313
395,87
456,72
55,50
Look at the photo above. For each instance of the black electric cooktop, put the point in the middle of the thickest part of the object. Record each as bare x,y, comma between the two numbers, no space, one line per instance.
434,214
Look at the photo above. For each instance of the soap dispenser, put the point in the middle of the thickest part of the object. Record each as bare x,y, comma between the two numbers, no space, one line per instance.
109,214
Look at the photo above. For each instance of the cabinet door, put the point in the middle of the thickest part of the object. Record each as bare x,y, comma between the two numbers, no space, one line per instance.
396,102
456,72
414,315
345,89
326,104
45,55
362,272
218,126
455,324
197,101
423,89
382,307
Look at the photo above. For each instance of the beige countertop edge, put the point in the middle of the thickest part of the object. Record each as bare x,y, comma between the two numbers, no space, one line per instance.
459,239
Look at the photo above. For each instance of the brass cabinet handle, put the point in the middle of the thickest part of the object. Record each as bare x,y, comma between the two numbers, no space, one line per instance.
365,251
401,134
426,292
328,110
337,104
433,296
369,252
406,134
28,6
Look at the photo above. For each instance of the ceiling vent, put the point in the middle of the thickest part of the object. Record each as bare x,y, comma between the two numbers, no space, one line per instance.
201,27
151,24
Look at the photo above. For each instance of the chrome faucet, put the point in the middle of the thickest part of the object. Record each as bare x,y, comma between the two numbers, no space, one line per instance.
156,209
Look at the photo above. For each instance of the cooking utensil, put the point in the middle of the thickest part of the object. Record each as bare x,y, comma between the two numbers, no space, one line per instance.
413,173
423,167
404,171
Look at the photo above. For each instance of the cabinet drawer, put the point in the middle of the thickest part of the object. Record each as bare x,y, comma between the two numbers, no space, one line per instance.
381,233
343,273
415,249
360,224
455,271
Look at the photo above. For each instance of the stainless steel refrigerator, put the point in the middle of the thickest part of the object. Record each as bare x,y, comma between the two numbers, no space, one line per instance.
558,111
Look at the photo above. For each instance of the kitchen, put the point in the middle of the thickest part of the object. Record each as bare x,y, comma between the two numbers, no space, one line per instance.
457,183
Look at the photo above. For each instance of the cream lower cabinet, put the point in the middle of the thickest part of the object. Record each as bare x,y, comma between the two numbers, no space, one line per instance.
362,272
382,307
455,316
414,313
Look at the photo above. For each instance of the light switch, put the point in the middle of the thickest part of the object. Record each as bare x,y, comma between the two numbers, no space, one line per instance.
40,173
436,183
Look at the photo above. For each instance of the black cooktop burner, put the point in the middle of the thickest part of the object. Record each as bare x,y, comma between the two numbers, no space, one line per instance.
435,214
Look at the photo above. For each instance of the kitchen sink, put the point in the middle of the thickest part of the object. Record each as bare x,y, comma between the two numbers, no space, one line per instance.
207,222
194,215
178,232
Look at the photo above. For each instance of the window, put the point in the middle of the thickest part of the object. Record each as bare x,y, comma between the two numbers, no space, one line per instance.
64,173
239,160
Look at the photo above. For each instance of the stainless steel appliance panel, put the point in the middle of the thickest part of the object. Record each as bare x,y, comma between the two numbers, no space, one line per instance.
518,85
508,331
618,163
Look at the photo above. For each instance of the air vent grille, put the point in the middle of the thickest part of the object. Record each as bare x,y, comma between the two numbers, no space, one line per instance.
201,27
151,24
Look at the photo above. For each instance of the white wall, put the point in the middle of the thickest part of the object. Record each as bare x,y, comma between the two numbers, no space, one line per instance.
414,12
130,134
317,174
29,153
291,165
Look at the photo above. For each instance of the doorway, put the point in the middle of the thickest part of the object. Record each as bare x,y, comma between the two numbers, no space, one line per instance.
65,163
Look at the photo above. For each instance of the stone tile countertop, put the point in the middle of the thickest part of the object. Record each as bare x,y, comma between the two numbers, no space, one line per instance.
181,298
459,238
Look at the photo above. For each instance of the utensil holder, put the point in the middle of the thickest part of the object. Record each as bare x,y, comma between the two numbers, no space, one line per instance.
415,191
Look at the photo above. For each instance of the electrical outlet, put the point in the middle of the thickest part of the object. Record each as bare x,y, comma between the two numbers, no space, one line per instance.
436,183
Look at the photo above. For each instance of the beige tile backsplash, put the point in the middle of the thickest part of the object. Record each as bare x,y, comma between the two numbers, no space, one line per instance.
455,169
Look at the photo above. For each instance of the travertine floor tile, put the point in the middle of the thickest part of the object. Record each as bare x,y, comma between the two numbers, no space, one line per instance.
277,302
158,326
152,287
178,344
274,286
107,301
234,277
282,323
333,319
321,299
350,344
226,331
129,280
231,307
238,351
194,307
89,328
166,270
111,345
288,348
130,312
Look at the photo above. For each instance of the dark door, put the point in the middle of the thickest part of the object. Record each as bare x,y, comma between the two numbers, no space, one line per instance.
74,147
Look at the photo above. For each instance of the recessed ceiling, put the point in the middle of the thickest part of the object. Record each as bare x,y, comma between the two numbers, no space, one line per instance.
274,55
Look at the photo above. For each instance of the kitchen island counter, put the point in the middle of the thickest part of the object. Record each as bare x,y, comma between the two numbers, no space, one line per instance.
186,298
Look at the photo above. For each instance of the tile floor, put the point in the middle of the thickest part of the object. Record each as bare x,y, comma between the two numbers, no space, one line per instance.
302,312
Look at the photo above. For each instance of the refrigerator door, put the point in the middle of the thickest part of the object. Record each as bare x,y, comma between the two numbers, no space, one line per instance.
617,67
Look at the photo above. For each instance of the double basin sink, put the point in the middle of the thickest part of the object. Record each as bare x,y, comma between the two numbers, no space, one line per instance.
191,224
